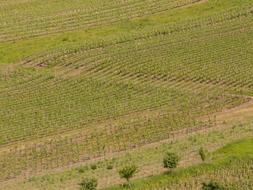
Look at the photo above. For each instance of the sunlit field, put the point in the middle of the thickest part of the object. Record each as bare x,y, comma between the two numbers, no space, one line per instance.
90,86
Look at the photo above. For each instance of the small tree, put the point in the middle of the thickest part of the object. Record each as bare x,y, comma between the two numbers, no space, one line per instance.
202,154
212,186
89,184
170,160
128,172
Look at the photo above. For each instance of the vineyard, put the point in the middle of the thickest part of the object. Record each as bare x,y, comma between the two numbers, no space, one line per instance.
87,82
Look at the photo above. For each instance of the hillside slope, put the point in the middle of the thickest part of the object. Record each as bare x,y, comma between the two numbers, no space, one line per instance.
82,81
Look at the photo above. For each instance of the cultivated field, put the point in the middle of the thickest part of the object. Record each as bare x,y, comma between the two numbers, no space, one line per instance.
89,83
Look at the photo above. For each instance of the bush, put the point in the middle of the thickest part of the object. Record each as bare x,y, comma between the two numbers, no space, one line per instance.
212,186
82,169
202,154
170,160
93,166
88,184
109,166
65,39
128,172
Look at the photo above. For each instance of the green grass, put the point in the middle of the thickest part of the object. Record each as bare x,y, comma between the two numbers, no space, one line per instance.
86,79
11,52
232,154
149,156
237,149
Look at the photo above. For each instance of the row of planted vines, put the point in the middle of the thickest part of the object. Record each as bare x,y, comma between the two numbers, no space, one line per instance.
87,100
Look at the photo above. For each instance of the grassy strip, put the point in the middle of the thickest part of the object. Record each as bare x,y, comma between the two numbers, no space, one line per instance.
13,51
143,157
224,157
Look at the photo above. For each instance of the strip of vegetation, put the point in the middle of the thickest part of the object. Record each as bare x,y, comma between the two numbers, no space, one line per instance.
13,51
234,154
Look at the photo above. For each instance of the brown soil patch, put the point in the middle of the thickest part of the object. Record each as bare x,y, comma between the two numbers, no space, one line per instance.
241,113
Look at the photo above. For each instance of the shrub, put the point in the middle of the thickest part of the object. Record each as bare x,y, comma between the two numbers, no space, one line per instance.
128,172
93,166
212,186
65,39
202,154
170,160
109,166
88,184
82,169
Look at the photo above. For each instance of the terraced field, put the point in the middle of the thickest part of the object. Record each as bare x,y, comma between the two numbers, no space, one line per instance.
82,81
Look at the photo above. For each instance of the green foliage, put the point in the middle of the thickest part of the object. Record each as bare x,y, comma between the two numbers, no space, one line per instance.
212,186
88,184
235,166
128,172
170,160
202,154
109,166
93,166
81,170
106,61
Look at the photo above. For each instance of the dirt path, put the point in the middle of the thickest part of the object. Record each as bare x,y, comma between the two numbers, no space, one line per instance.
195,3
225,119
241,113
